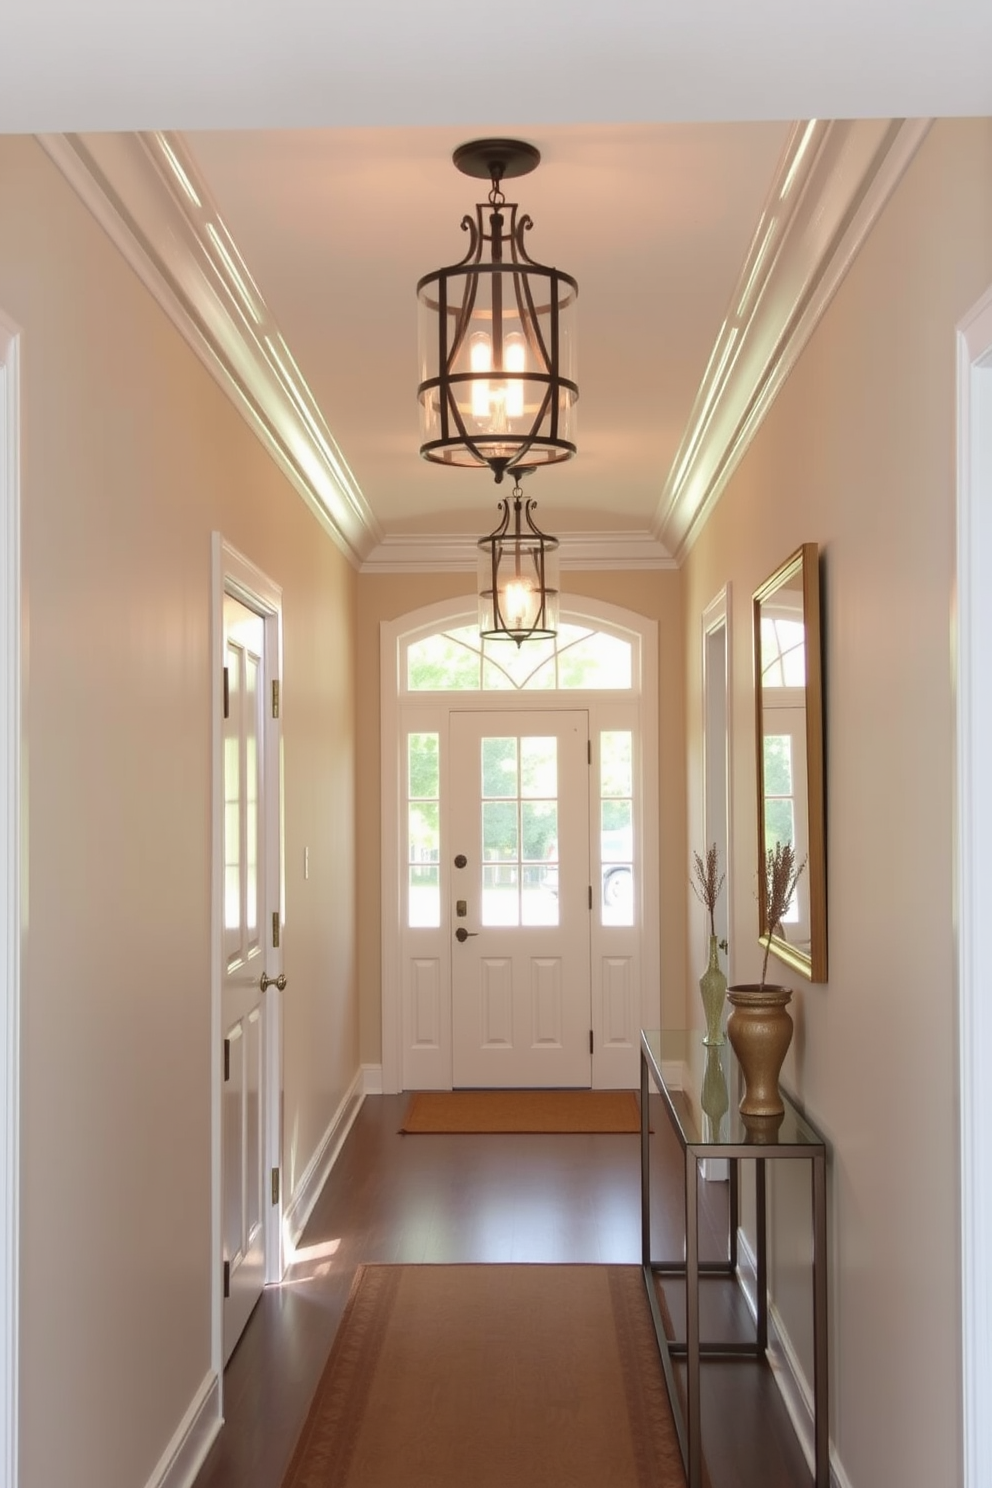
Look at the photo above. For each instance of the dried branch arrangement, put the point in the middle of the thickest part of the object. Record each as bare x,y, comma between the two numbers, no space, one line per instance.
781,876
707,881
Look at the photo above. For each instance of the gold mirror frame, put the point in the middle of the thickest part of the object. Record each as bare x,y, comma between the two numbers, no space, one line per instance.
789,712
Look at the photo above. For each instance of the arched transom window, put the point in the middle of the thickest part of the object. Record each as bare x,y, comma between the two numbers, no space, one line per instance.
456,660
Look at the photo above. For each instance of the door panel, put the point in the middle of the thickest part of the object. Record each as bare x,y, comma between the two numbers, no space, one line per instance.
242,1001
520,976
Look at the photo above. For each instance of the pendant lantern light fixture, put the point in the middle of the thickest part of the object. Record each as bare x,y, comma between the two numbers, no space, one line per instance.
518,575
497,336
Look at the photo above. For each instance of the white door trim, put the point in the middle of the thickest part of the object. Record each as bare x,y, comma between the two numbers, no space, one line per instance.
233,573
12,895
463,610
973,888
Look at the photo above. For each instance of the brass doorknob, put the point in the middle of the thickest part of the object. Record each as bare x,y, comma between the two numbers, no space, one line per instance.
462,934
279,982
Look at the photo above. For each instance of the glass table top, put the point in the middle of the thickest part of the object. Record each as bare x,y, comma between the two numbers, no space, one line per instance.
702,1086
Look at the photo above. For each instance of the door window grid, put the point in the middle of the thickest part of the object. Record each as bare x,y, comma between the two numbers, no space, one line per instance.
519,801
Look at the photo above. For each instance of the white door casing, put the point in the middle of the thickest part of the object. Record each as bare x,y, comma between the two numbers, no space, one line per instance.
520,993
247,920
245,933
971,627
416,961
12,932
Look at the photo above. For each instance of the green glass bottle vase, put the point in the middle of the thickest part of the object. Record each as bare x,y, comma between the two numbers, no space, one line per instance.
713,991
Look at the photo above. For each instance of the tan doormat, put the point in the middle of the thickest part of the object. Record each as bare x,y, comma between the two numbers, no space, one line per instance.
435,1111
491,1377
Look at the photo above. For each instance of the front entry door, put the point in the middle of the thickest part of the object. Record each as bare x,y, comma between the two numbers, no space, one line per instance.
521,912
243,1094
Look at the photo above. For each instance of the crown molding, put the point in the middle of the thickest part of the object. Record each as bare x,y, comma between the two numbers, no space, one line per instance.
831,185
833,180
446,553
145,192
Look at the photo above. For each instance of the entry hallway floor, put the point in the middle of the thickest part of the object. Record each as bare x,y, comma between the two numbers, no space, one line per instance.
447,1199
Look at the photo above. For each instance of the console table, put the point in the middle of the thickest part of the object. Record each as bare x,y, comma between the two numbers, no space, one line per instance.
702,1106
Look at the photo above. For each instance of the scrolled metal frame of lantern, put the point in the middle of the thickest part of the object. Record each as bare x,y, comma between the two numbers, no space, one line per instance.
497,340
518,575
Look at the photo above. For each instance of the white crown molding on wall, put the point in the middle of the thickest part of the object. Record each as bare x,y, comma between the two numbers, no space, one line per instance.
833,181
446,553
144,192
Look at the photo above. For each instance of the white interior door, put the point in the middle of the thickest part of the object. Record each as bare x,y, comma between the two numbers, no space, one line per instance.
243,1093
520,956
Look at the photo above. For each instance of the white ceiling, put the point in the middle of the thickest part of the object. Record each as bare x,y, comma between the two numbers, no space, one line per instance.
324,135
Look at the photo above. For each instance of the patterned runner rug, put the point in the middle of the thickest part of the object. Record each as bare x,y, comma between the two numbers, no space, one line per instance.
491,1377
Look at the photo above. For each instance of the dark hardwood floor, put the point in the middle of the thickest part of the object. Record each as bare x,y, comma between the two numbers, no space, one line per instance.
526,1199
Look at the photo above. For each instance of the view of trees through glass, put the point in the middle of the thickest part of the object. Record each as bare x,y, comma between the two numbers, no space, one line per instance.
423,830
457,661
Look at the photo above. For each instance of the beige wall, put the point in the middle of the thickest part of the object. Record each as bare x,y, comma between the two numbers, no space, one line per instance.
655,594
131,455
858,456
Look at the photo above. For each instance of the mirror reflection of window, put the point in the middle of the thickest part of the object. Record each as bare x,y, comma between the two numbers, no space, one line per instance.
783,650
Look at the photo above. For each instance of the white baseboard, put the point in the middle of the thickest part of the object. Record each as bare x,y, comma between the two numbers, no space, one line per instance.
314,1175
785,1366
194,1436
371,1079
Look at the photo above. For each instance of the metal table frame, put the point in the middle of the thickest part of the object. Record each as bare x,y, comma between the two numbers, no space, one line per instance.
695,1146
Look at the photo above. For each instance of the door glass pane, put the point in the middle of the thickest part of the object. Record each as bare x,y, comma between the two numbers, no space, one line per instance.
499,767
500,894
423,831
616,830
539,871
539,767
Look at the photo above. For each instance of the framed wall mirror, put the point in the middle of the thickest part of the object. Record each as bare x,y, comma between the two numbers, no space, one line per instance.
789,711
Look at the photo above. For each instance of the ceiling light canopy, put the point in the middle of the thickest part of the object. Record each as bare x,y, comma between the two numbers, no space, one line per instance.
497,336
518,575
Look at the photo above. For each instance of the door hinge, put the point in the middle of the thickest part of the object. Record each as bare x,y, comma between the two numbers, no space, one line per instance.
590,896
275,698
275,929
227,1059
589,750
275,1185
227,1278
591,1050
227,693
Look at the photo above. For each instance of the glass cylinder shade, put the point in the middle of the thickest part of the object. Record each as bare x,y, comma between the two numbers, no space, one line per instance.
518,580
497,352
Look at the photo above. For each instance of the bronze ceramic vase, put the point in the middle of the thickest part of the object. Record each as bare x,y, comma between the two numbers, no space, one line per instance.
760,1032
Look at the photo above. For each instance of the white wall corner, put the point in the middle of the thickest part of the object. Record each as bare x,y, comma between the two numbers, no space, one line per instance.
184,1456
371,1079
784,1363
315,1174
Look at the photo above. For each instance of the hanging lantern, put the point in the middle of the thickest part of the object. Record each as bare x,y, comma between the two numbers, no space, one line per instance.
497,336
518,576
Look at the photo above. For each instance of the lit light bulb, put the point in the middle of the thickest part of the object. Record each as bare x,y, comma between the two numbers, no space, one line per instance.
480,360
515,360
517,603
